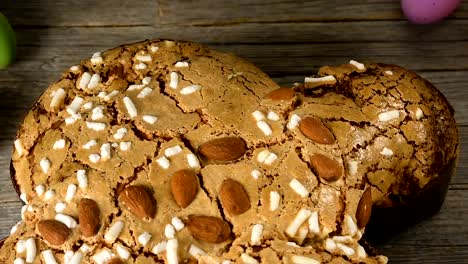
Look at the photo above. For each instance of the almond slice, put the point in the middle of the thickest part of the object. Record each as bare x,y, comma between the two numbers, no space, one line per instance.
327,168
315,130
364,208
184,186
283,93
223,149
54,232
139,201
89,217
208,228
234,197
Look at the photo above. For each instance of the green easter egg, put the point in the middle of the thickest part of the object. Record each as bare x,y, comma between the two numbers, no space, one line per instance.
7,42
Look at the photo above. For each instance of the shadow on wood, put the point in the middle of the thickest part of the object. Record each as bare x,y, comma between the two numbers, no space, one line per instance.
387,222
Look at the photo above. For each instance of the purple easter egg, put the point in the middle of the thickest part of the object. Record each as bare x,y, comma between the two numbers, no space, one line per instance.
428,11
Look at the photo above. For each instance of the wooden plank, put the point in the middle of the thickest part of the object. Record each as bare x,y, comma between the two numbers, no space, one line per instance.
303,58
440,239
87,13
353,31
11,214
460,179
463,156
243,11
52,13
7,192
86,36
276,59
17,97
446,227
416,254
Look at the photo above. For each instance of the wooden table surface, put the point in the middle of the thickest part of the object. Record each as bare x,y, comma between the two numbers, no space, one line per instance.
288,39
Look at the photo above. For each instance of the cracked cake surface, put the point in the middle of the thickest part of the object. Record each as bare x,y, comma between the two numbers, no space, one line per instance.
170,152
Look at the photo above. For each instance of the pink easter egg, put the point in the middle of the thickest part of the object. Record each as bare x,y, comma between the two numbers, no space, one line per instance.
428,11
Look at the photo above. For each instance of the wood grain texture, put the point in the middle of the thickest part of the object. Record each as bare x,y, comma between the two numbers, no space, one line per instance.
84,13
303,58
281,33
445,226
455,254
88,13
245,11
10,216
287,39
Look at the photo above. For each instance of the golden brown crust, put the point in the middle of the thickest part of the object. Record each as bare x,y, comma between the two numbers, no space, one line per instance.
136,114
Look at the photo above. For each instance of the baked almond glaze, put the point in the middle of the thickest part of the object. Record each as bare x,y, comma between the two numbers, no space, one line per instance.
170,152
